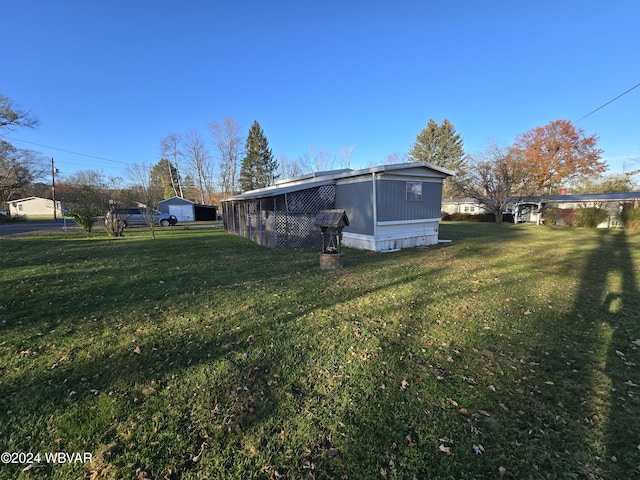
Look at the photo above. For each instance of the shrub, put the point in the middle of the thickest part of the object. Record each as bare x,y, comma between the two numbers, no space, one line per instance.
13,218
550,215
469,217
114,225
630,216
590,217
559,216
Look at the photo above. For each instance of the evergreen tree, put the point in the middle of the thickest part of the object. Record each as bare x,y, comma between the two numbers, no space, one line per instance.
165,180
439,145
258,166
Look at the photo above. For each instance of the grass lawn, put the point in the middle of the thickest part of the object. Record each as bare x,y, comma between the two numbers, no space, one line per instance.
513,352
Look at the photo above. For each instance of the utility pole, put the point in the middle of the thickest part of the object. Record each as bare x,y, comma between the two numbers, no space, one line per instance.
53,188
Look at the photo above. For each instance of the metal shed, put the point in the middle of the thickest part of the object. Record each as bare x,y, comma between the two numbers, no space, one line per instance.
188,211
389,207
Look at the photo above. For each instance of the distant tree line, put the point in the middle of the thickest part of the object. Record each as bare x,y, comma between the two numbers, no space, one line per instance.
207,169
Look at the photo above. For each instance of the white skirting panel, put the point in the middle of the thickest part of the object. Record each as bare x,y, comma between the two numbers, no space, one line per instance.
392,236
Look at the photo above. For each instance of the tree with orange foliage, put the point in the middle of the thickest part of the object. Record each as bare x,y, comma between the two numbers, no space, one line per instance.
557,153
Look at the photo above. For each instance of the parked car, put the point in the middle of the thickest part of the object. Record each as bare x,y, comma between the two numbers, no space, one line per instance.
139,216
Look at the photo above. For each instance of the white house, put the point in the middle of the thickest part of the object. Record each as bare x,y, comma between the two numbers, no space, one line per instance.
34,207
463,205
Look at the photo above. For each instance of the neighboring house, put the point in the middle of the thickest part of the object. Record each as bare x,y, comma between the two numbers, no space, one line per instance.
612,202
531,209
463,205
186,210
34,207
389,207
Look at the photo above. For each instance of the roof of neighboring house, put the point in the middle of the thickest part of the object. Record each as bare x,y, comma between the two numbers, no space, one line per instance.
591,197
317,179
460,200
582,197
177,199
26,199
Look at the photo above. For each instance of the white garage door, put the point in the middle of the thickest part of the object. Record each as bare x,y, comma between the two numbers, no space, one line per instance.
184,213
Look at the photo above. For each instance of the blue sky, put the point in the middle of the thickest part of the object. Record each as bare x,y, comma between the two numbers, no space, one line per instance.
111,78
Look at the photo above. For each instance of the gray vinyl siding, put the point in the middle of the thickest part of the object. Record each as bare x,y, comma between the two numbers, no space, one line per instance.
393,203
357,200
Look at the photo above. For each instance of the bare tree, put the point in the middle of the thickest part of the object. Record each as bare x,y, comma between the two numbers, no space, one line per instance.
289,168
345,156
395,158
199,164
494,177
228,144
140,174
18,169
170,148
12,116
317,160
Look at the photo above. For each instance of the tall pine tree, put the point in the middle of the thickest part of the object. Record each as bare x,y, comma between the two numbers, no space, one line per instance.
258,166
439,145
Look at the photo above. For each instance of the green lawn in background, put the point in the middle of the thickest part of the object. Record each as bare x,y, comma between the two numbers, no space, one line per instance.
513,352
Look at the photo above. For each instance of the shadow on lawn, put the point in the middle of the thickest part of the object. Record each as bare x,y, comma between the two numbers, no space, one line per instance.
622,310
599,380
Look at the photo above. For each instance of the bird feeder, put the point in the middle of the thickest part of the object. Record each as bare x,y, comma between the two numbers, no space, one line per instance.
331,223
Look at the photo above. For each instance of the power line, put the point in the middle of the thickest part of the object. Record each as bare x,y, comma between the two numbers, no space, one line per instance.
610,101
68,151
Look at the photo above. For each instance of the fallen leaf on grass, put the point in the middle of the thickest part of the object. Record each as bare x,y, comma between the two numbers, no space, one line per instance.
484,412
404,385
452,402
138,352
410,440
444,449
197,457
636,342
478,449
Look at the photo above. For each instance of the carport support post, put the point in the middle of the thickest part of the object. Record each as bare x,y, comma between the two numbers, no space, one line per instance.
248,220
260,220
233,216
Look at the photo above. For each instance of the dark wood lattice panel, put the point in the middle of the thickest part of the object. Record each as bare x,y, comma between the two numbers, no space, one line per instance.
282,220
296,228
